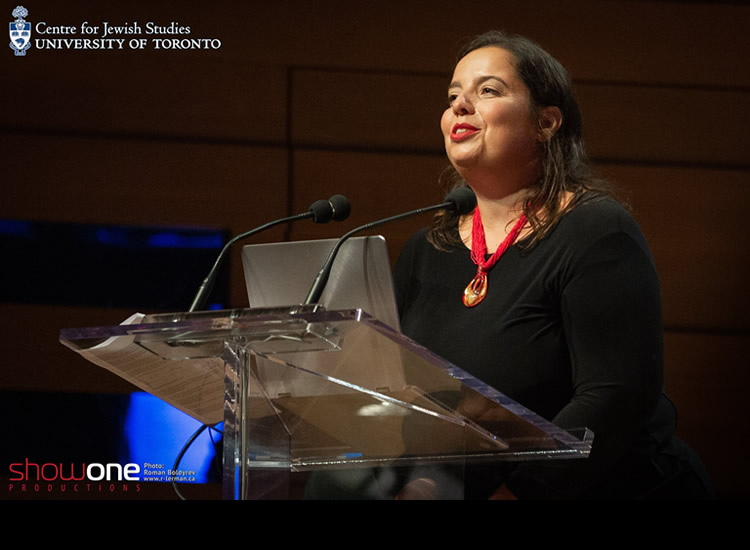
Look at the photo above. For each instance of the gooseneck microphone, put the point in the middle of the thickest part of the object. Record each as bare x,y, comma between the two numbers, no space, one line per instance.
460,201
337,208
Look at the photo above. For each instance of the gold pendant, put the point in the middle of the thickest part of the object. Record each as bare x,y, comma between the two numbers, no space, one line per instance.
477,289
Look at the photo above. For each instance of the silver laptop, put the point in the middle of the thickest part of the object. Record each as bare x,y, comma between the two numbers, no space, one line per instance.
281,274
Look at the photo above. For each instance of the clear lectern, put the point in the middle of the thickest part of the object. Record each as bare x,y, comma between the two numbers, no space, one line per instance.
302,389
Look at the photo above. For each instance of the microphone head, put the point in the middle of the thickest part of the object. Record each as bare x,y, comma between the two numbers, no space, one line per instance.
341,207
462,200
322,211
337,208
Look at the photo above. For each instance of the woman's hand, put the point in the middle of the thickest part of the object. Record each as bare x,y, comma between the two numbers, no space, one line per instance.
422,488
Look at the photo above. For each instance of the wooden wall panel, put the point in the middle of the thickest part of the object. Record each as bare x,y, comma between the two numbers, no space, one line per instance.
693,43
379,110
141,182
186,97
706,376
665,125
378,186
694,221
614,40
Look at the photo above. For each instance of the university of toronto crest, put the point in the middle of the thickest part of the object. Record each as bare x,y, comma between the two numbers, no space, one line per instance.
20,31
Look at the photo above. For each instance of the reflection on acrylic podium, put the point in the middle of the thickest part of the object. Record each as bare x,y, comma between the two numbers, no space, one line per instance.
305,392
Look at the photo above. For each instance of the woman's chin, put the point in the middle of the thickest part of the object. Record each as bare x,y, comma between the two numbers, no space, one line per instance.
463,161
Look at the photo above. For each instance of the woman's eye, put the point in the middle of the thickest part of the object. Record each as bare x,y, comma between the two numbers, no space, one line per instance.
452,98
487,90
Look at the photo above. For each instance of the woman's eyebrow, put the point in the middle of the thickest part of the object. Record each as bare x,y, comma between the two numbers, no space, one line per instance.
479,79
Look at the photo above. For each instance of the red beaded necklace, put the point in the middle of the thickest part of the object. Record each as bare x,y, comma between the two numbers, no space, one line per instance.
477,289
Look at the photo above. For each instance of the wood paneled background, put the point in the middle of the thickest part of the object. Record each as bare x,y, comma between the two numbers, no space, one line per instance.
307,99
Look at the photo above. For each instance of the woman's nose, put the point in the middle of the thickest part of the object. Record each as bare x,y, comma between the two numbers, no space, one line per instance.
462,105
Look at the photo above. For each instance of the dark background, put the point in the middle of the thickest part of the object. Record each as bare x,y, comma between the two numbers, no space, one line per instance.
307,99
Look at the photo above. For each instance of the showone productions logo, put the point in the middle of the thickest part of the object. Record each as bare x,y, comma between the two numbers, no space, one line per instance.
20,31
104,35
28,478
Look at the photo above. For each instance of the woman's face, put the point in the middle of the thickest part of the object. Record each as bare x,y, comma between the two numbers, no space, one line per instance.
489,125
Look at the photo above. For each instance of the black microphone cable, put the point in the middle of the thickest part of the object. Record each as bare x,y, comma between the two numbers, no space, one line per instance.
177,461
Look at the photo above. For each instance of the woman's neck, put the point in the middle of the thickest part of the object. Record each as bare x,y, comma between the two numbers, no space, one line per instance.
499,214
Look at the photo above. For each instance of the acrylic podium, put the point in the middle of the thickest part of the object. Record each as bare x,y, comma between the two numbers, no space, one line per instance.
302,389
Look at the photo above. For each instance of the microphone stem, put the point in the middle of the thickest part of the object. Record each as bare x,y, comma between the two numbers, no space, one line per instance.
320,281
208,283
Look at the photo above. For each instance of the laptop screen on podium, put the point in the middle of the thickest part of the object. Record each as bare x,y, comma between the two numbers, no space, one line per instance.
281,274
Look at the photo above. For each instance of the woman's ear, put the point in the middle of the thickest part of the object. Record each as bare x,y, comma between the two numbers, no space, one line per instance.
550,120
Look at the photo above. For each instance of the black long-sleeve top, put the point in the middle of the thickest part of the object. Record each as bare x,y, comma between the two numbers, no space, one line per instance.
572,330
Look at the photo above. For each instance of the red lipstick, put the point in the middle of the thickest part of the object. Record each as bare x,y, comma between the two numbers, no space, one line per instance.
462,131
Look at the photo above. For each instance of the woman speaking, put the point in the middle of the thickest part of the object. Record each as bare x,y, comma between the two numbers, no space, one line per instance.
548,291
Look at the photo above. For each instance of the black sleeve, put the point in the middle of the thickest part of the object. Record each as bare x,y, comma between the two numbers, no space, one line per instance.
611,313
